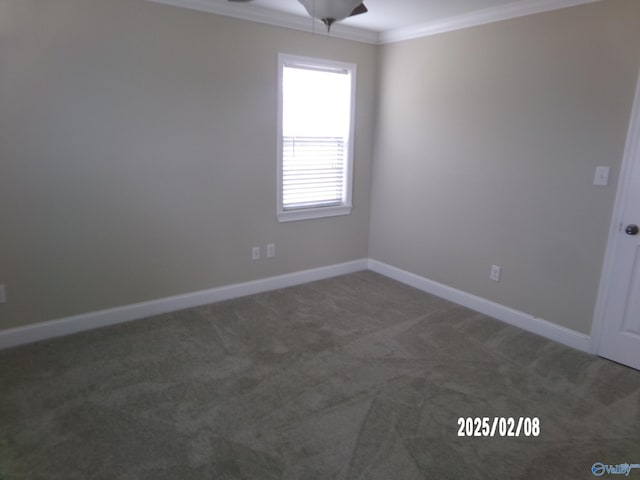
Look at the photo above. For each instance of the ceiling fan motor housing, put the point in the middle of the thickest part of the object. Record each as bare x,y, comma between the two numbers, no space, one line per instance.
330,11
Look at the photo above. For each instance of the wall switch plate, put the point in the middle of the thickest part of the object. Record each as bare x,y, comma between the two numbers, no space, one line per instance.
255,253
601,178
496,271
3,294
271,250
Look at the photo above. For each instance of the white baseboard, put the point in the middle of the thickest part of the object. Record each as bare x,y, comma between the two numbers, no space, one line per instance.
544,328
87,321
112,316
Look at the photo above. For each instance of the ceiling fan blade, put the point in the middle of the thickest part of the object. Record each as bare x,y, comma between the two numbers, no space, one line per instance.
359,9
240,1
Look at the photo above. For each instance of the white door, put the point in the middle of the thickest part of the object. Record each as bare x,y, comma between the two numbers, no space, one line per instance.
619,338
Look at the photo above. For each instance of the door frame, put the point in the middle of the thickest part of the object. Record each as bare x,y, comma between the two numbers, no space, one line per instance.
630,158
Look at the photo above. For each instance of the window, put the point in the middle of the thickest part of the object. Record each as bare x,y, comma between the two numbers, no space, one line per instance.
316,103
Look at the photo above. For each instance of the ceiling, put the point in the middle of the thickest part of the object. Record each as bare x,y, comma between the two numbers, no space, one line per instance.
393,14
387,20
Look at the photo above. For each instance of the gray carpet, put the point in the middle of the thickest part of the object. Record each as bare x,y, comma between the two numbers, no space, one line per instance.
357,377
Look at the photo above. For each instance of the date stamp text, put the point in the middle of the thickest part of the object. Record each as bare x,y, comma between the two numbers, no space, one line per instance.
498,427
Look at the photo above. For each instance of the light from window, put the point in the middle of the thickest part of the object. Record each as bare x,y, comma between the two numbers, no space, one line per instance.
315,145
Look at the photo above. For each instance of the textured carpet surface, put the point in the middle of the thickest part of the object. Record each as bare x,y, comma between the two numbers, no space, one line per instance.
356,377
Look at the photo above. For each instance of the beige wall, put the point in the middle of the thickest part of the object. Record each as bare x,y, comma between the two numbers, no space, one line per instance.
138,155
138,145
487,142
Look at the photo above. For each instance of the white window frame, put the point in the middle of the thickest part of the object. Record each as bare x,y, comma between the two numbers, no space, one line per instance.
345,207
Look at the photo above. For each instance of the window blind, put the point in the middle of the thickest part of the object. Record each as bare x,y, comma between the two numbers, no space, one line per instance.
313,172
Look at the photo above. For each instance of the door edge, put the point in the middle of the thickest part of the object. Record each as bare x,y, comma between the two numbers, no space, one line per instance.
630,157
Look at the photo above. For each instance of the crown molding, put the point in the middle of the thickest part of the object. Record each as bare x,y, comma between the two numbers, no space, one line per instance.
246,11
480,17
267,16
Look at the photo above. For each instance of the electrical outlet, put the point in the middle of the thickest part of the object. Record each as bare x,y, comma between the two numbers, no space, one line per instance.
3,294
271,250
496,271
255,253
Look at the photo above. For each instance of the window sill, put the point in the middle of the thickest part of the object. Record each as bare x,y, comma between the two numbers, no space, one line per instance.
309,213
